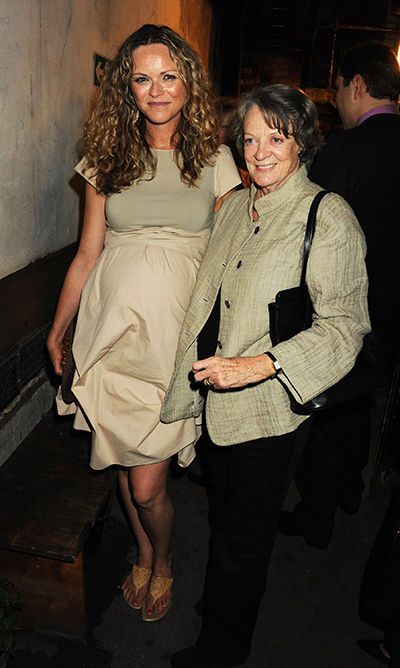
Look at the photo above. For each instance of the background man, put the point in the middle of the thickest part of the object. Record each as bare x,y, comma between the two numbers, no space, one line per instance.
362,165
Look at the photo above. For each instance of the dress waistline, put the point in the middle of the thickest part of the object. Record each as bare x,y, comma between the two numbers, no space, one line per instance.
156,236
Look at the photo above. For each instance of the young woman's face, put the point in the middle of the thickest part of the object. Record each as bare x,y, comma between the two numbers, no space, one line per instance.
157,86
271,158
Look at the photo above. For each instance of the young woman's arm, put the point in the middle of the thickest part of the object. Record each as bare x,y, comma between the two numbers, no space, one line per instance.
90,246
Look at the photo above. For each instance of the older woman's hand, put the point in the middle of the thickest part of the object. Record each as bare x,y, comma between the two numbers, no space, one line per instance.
224,373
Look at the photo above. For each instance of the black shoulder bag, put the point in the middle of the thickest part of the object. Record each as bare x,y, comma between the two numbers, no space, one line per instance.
291,313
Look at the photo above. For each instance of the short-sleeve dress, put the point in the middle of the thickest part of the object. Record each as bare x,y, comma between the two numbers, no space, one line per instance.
132,308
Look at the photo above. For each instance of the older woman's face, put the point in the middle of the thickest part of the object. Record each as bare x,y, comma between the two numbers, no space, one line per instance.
271,158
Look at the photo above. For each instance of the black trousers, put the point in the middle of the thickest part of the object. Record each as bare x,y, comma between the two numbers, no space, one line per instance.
380,586
247,487
330,469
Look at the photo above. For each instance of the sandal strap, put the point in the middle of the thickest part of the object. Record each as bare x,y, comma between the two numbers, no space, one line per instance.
140,576
159,585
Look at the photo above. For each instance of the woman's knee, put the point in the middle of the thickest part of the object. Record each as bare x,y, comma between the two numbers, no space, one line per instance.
123,482
123,476
146,492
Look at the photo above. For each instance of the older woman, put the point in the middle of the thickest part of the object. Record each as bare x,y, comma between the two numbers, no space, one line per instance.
251,432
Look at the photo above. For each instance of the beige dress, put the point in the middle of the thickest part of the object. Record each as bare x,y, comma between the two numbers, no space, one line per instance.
132,308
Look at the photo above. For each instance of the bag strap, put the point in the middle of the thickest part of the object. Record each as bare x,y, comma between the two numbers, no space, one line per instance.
310,229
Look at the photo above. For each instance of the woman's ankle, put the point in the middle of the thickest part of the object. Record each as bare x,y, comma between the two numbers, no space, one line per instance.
163,567
144,559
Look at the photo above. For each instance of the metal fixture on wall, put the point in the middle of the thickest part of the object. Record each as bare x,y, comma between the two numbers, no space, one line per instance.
338,27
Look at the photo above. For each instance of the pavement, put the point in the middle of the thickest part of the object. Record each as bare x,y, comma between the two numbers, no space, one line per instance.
308,619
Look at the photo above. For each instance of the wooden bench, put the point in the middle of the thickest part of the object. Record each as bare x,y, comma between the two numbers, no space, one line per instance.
51,510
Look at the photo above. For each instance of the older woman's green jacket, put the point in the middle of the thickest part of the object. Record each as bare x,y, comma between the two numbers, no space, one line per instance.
250,262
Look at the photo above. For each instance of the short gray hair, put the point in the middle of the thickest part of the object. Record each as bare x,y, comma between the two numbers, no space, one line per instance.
289,110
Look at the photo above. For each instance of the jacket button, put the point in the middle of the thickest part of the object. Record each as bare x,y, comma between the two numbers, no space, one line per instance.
227,303
219,344
257,229
239,264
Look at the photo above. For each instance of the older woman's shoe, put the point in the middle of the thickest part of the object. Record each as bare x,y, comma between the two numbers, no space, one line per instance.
195,657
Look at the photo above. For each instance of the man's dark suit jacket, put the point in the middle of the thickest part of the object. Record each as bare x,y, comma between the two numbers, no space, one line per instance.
363,165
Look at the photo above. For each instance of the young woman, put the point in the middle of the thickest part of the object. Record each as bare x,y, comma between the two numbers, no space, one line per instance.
154,176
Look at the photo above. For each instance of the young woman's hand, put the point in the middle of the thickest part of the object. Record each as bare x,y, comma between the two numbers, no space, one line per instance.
55,349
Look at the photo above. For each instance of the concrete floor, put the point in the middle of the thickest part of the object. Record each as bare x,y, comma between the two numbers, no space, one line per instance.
309,618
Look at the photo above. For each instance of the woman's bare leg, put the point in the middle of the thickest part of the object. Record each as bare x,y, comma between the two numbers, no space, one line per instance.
149,507
145,548
133,596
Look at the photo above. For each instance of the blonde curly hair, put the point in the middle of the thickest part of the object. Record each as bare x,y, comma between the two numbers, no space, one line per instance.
114,138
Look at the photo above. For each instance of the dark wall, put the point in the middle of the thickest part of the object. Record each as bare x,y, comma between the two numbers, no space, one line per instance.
293,41
28,299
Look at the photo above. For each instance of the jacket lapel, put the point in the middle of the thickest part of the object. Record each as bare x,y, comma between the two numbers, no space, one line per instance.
223,245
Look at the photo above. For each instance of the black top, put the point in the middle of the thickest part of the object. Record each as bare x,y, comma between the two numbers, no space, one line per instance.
208,338
362,165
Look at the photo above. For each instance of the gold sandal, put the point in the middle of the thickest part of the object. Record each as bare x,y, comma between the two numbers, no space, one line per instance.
159,585
140,577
